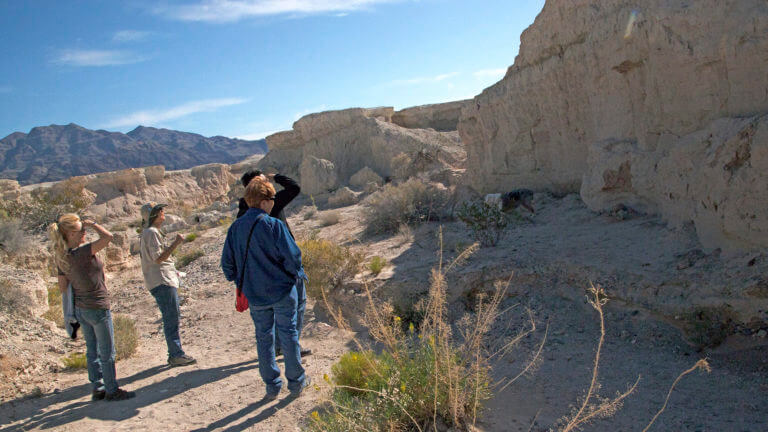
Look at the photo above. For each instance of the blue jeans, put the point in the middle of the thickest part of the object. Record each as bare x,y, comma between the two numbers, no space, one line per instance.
301,289
99,335
281,316
168,301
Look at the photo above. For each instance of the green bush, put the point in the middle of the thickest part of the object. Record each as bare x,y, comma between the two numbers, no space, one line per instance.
377,264
126,336
487,222
408,203
186,259
327,264
191,237
75,361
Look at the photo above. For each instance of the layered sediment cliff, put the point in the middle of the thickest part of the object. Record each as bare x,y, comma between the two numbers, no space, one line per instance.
656,104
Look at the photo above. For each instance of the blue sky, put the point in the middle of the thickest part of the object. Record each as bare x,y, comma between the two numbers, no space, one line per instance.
244,68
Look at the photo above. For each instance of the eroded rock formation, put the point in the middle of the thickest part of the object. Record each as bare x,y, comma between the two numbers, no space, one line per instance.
325,150
654,103
440,117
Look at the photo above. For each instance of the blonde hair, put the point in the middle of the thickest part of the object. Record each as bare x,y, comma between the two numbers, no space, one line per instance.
258,190
57,234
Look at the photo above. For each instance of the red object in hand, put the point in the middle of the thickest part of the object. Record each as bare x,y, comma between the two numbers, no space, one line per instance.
241,303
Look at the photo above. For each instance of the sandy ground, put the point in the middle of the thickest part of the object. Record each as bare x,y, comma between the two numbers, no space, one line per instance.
549,261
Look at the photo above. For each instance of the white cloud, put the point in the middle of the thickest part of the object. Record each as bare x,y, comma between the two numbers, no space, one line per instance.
235,10
73,57
423,80
130,36
490,73
153,117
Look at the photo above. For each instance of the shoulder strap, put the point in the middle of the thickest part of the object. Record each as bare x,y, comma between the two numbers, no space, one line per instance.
247,246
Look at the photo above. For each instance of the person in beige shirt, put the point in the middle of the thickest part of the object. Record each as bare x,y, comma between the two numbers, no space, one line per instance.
162,278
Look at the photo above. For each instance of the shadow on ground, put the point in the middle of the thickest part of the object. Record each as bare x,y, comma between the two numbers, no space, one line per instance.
37,417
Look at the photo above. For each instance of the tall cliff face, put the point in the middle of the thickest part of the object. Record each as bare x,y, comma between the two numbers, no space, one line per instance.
651,103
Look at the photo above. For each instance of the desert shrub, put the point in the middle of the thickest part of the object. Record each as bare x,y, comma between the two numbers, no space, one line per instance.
185,259
226,221
407,203
191,237
75,361
12,238
404,235
327,264
401,166
487,222
377,264
13,298
420,376
330,217
708,326
43,206
119,227
310,212
358,370
54,312
126,336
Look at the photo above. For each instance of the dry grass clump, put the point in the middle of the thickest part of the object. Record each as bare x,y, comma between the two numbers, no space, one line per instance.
54,312
330,217
12,238
126,336
409,203
327,264
75,361
185,259
14,298
421,378
191,237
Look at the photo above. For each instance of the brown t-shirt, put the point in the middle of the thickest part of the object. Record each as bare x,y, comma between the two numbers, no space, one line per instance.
86,273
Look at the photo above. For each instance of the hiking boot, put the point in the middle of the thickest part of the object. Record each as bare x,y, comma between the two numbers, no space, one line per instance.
305,384
119,395
98,395
269,397
182,360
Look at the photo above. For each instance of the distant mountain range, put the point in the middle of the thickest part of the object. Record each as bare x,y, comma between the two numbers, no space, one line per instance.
55,152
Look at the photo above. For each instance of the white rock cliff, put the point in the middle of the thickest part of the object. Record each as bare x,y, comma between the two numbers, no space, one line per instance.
654,103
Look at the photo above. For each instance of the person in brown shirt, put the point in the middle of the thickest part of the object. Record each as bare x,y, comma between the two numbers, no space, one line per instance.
79,265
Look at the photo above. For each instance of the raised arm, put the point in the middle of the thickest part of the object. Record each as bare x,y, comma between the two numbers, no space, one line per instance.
104,236
290,191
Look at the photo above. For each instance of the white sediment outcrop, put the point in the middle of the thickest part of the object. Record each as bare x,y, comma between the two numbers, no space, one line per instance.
328,150
654,103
